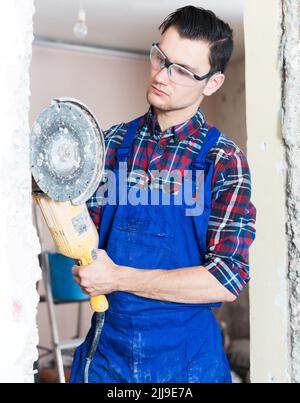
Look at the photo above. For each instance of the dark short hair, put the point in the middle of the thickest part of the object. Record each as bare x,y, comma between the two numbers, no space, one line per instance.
196,23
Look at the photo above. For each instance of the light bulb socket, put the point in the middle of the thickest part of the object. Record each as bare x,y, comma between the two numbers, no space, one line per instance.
81,15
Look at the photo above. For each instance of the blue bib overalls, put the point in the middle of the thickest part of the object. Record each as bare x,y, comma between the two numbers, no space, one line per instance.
146,340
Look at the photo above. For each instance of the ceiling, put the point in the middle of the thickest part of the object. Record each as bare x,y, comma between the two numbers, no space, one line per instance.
128,25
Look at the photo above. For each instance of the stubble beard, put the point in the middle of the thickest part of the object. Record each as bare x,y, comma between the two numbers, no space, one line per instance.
160,106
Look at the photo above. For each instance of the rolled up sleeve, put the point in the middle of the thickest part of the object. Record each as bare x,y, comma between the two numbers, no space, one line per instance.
231,228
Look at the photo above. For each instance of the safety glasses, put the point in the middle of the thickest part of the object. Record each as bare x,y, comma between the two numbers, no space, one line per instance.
177,73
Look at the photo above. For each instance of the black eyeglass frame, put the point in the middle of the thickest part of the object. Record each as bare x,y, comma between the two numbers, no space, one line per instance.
168,63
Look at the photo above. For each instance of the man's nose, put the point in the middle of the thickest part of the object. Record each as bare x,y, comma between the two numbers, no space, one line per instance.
162,76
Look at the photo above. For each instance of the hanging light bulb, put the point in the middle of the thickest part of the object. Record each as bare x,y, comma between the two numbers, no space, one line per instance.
80,29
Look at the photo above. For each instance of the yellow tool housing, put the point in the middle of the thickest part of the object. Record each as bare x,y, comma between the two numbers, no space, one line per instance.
74,234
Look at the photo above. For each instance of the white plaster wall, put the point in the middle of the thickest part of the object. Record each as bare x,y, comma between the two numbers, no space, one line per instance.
269,310
291,135
18,240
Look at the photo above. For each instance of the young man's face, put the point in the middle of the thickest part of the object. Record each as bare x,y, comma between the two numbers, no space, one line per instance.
176,96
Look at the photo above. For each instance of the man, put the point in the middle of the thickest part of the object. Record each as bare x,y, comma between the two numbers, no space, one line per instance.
161,268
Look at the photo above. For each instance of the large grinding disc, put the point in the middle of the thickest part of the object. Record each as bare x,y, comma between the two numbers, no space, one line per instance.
67,151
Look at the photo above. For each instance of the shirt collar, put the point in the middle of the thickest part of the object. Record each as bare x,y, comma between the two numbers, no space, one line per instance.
179,132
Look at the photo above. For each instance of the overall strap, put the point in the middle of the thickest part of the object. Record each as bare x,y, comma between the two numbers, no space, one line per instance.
209,141
123,152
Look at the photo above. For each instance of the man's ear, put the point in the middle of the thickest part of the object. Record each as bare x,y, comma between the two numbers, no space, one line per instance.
214,83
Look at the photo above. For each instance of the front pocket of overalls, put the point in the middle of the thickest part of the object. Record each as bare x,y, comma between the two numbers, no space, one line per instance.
139,242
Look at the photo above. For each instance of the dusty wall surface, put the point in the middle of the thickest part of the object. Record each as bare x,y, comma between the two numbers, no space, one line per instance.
291,135
269,304
18,239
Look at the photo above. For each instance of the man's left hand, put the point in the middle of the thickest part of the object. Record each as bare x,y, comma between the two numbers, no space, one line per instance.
99,277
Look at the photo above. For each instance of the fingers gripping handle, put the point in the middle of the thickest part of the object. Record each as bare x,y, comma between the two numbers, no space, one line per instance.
98,303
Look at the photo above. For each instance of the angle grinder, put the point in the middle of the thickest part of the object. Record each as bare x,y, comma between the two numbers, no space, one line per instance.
67,154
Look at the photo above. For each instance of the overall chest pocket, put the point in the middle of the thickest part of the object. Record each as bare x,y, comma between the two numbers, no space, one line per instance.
140,241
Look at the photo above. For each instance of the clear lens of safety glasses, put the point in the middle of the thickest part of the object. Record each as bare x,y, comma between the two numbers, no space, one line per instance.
179,75
157,58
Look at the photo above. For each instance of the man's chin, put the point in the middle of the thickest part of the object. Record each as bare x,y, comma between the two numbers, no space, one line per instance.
156,103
